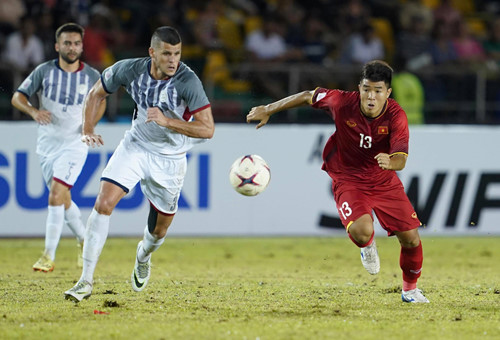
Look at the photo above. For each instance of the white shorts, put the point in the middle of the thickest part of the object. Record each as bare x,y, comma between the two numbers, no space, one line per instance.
65,165
161,177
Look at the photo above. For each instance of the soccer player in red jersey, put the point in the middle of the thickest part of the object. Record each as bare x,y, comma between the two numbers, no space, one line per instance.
362,156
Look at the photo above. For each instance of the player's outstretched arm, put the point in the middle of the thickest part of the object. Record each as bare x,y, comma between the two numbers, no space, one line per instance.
263,112
93,109
21,102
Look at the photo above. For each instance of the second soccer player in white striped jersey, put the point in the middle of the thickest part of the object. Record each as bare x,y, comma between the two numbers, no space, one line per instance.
62,86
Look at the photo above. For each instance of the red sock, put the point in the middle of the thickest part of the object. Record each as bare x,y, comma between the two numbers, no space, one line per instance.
359,244
410,261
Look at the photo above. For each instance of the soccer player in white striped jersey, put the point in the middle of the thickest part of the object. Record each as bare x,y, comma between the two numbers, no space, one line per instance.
62,85
172,114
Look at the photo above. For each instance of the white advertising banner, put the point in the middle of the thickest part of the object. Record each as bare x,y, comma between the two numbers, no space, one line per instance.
452,177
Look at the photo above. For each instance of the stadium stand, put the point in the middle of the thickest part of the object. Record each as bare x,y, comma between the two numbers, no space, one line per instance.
215,33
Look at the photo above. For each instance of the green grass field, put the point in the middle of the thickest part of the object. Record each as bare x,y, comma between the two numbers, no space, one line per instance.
254,288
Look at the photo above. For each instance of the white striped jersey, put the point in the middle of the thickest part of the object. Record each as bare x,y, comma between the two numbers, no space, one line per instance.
62,94
178,97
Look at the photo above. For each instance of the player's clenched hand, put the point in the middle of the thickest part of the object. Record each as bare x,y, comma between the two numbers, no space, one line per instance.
42,117
92,140
258,113
383,160
157,116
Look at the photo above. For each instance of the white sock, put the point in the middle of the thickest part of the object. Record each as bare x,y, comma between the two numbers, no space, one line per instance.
95,237
53,229
149,244
73,219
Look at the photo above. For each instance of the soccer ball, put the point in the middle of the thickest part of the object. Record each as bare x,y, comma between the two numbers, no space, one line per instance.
249,175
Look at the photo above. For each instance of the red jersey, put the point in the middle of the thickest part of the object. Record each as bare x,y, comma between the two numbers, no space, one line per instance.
350,151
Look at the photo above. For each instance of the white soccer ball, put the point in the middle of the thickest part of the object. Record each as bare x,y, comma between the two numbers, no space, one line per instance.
249,175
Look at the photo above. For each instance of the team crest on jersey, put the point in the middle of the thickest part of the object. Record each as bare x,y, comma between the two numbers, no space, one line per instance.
82,89
351,124
383,130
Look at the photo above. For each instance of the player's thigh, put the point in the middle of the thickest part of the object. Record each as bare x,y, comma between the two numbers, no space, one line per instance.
47,165
108,197
351,205
395,211
163,185
59,194
126,167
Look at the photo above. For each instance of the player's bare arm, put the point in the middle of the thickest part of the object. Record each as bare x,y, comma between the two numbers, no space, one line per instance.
263,113
201,127
93,109
395,162
20,102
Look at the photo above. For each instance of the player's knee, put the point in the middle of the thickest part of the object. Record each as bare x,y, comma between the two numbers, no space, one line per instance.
104,206
360,238
56,198
410,243
409,239
361,231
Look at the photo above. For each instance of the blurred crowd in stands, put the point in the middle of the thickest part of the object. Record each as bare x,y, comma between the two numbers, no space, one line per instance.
247,49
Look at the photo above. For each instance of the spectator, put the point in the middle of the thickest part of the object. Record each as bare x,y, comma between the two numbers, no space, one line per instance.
267,46
314,44
353,17
100,34
469,51
205,25
492,48
492,44
470,56
441,86
442,50
11,12
293,16
413,45
415,8
23,50
448,14
362,47
46,34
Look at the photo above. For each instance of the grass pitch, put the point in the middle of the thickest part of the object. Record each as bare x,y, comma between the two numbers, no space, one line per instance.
254,288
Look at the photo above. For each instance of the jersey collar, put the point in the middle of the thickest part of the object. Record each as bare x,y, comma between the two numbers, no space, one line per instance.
80,66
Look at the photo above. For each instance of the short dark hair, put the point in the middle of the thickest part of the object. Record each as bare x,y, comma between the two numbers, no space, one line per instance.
377,70
166,34
69,27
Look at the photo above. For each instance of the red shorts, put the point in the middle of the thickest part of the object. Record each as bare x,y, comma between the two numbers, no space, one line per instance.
389,202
